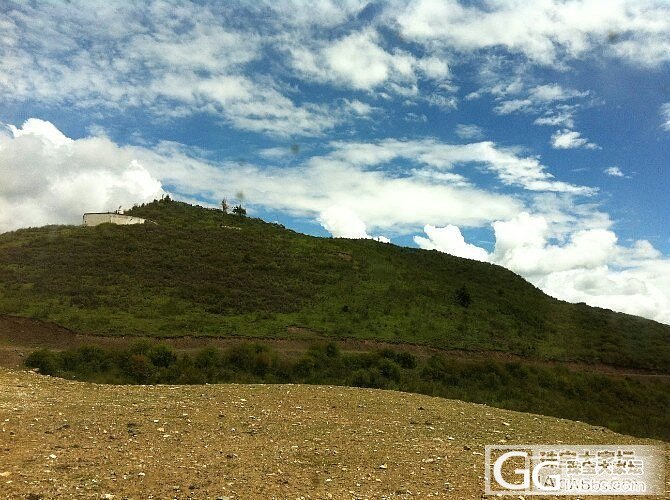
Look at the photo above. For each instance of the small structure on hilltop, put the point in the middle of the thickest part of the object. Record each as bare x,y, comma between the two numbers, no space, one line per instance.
117,217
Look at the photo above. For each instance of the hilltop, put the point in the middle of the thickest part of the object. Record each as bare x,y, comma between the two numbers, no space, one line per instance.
200,272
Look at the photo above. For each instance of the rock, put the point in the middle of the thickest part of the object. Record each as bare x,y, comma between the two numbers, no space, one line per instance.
383,466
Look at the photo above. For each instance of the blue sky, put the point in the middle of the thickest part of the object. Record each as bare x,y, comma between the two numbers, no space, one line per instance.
535,135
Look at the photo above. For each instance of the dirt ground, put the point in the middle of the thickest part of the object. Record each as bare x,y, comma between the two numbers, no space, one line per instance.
65,439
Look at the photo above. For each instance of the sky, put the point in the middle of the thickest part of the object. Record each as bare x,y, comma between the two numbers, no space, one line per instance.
533,135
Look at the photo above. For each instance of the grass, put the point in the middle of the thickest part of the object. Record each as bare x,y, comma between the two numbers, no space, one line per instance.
633,406
199,271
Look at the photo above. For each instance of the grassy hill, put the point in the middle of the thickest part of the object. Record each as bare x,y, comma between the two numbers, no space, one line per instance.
199,271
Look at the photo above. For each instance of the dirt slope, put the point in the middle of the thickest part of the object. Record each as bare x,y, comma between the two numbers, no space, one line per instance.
77,440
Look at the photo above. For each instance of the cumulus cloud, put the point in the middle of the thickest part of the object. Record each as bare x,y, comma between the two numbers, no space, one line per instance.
570,139
341,222
522,245
582,265
51,179
46,131
92,173
449,239
347,176
639,291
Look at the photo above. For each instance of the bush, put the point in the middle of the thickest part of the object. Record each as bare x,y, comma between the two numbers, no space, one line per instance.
161,356
44,360
406,360
138,368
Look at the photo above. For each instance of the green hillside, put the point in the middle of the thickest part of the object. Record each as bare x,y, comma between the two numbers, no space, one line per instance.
199,271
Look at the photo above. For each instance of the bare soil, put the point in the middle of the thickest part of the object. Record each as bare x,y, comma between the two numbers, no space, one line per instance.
65,439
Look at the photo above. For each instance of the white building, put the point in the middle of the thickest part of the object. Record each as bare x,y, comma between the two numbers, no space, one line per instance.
95,218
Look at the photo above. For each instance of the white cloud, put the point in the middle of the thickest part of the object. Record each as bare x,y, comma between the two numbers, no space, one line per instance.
359,61
510,168
177,59
469,131
665,115
556,119
446,103
545,32
521,245
449,239
614,172
414,117
45,183
513,106
548,100
554,92
570,139
342,222
171,61
434,68
346,177
51,179
360,108
639,291
588,266
46,131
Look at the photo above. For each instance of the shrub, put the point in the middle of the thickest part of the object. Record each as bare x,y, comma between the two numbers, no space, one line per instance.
389,369
138,368
406,360
161,356
44,360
